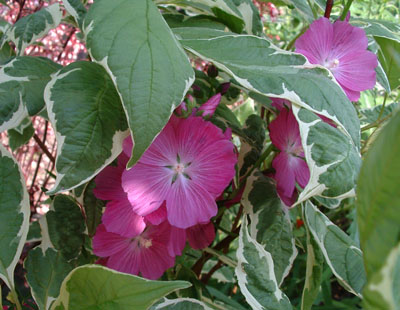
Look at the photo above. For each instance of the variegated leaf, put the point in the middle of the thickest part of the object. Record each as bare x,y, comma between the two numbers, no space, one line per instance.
32,27
76,9
22,82
97,287
180,304
148,67
340,252
86,113
15,212
270,223
256,276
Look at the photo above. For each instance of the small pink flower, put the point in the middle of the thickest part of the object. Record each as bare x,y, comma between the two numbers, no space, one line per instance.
342,49
289,164
187,166
146,254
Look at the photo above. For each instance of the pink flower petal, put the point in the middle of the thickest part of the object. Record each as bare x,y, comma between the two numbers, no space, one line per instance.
316,42
177,241
155,260
146,186
106,243
284,176
119,218
201,235
210,105
189,204
158,216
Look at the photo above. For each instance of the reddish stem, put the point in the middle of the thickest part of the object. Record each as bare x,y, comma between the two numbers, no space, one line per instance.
328,8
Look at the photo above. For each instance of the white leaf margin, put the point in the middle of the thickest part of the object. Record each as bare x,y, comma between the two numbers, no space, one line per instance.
241,275
56,15
23,232
173,302
116,149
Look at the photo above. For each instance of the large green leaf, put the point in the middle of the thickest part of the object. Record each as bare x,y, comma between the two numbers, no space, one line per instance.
66,226
261,67
14,219
100,288
389,57
270,224
378,28
22,82
21,134
86,113
256,276
45,273
378,210
32,27
341,253
149,68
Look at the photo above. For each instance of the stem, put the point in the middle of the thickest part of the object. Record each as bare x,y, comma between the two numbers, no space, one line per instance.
66,43
21,6
346,9
44,148
383,106
291,43
328,8
15,298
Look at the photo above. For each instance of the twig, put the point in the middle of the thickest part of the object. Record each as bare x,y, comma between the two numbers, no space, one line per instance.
66,43
21,6
328,8
43,147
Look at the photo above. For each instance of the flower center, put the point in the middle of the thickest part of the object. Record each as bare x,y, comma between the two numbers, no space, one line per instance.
179,168
144,243
332,64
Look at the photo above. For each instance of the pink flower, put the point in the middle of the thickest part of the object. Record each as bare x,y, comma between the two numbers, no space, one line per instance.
289,164
118,216
187,166
146,254
342,49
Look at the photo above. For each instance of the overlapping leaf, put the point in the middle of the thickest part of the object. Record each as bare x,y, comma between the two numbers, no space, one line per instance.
76,9
261,67
270,225
45,273
86,113
340,252
97,287
149,68
256,276
14,219
378,218
32,27
22,82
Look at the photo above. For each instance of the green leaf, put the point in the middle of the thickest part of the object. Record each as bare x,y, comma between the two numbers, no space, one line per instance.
251,146
100,288
303,8
6,53
341,253
371,115
250,16
378,28
149,68
389,57
179,20
22,82
86,113
93,208
66,226
45,273
32,27
21,134
256,276
315,261
333,160
180,304
14,219
76,9
378,213
34,233
270,224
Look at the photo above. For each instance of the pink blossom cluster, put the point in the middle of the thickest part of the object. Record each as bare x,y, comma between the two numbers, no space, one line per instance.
342,49
167,198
